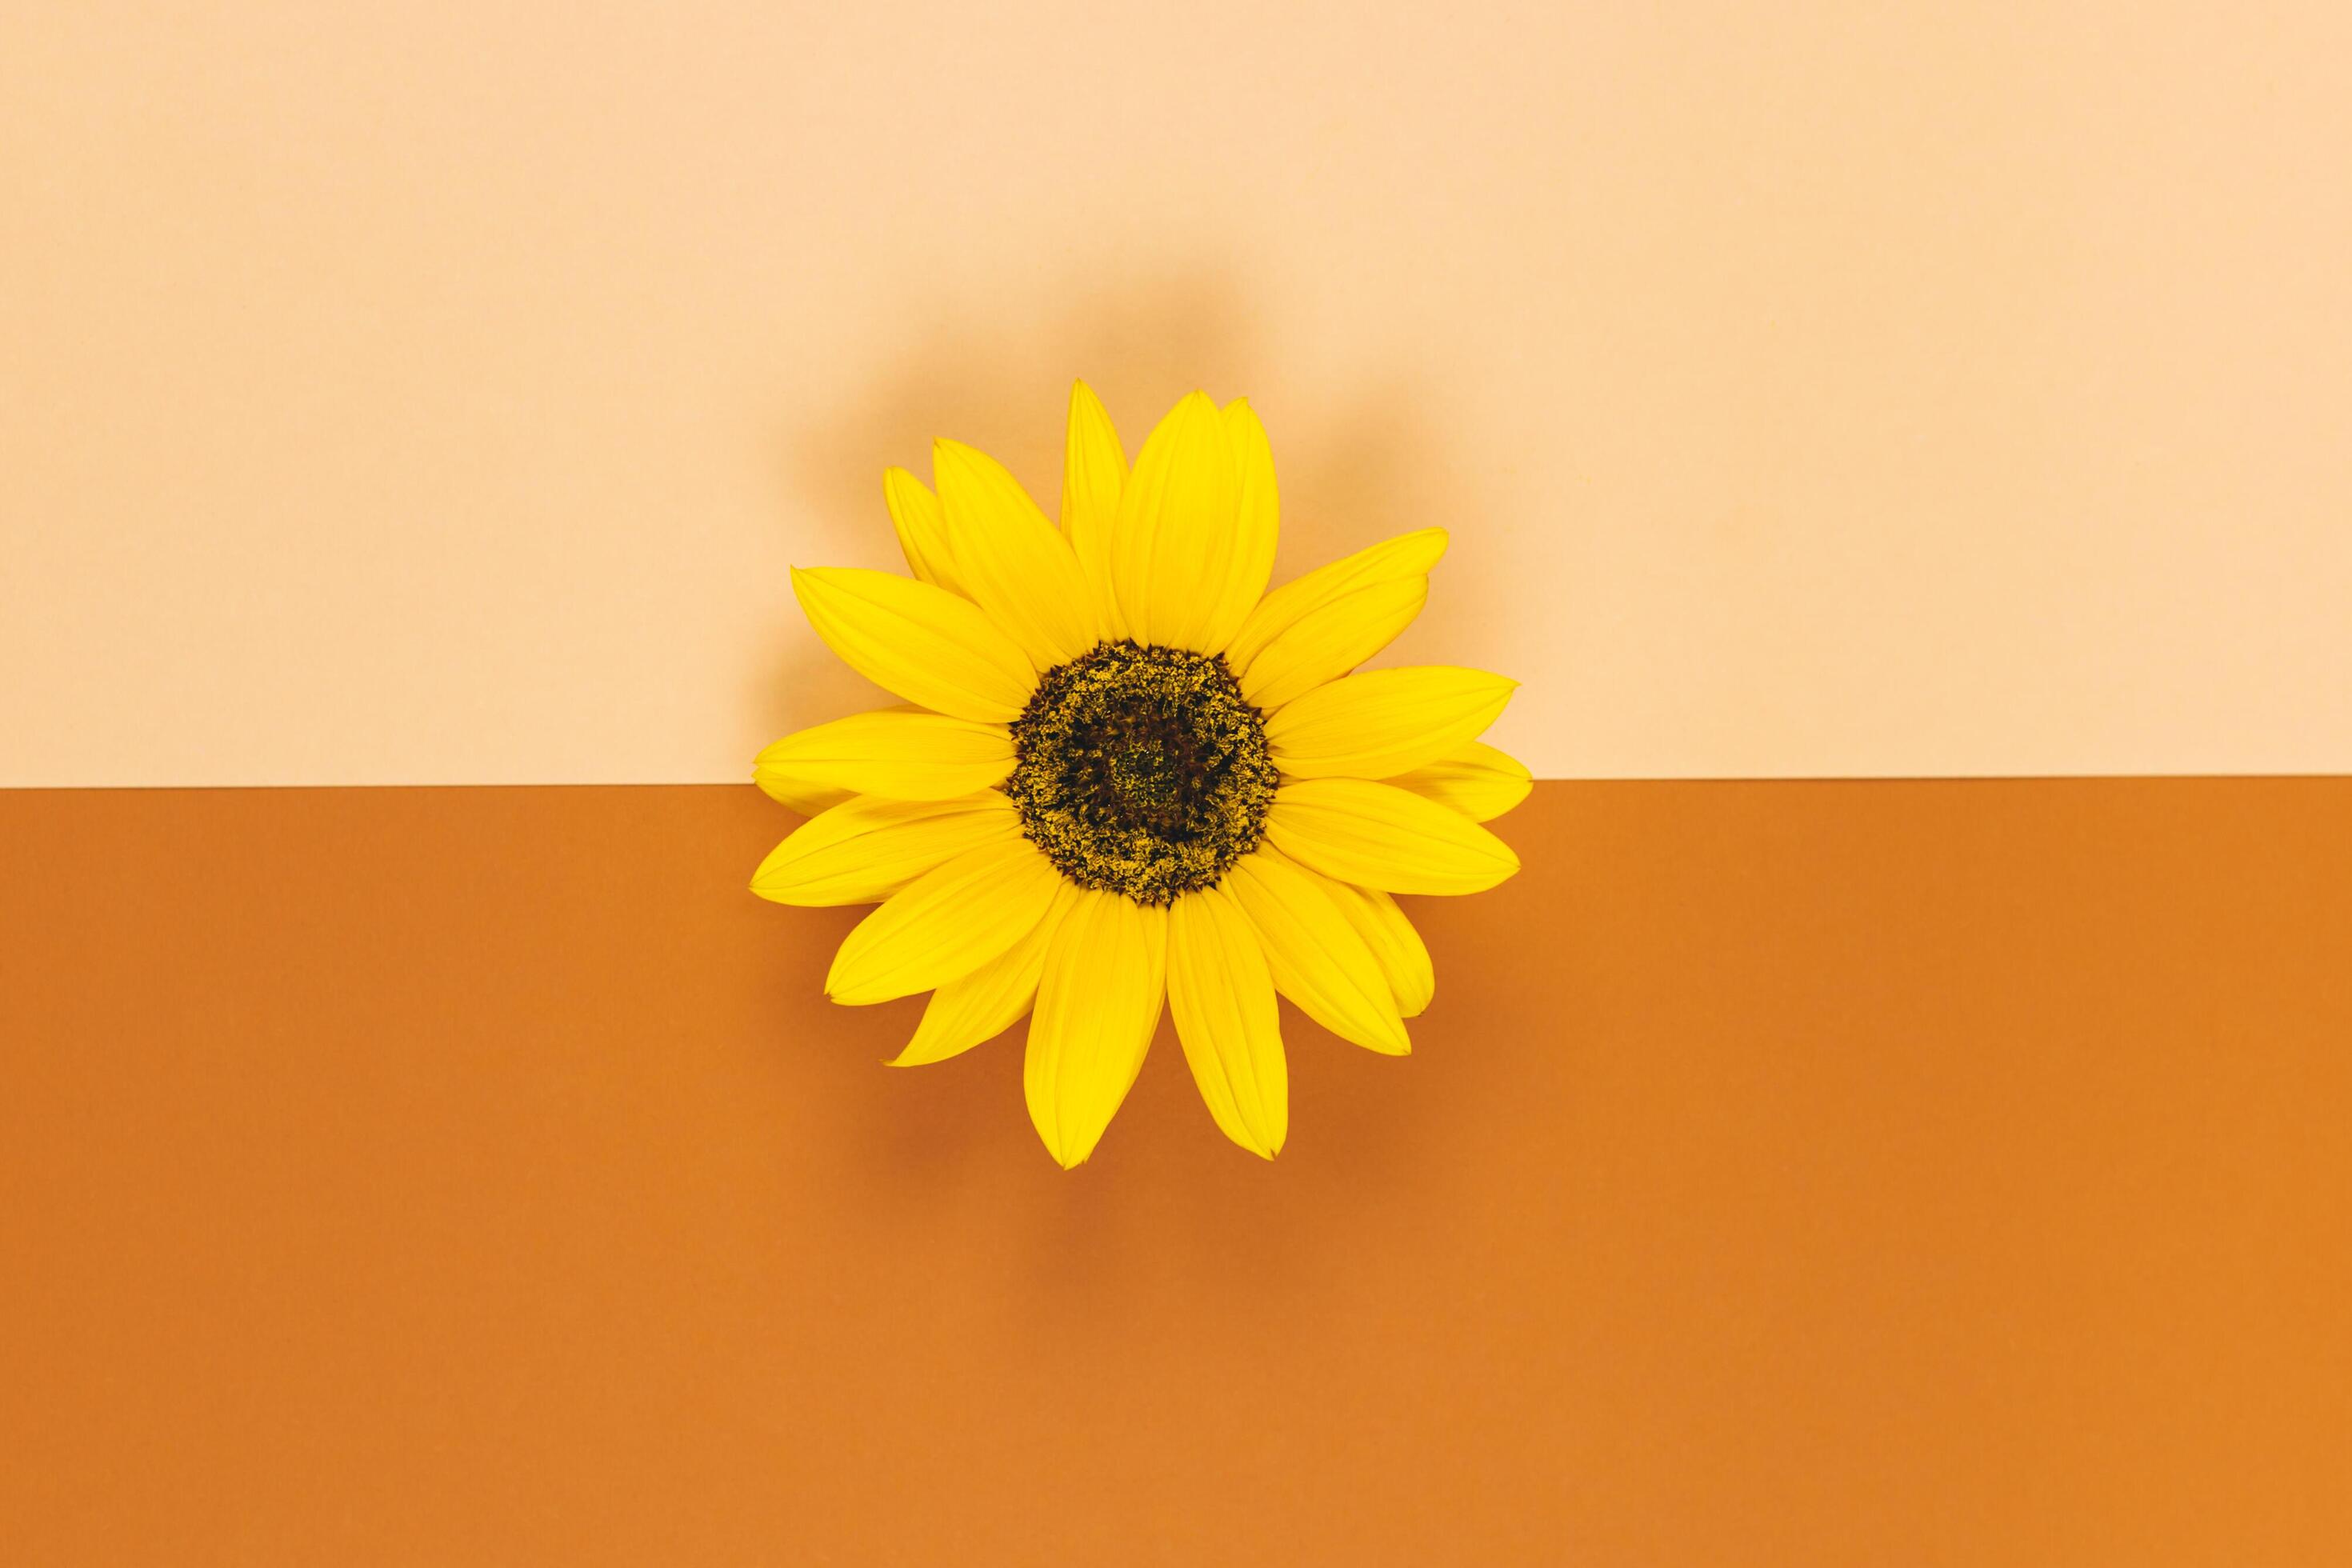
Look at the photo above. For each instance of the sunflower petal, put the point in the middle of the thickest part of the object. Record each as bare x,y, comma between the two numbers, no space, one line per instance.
922,642
1094,471
1014,563
868,847
904,754
1221,993
1256,524
804,795
922,531
1478,781
1317,958
1174,550
1385,722
1099,1001
1378,836
991,999
1407,555
1403,956
1326,644
944,924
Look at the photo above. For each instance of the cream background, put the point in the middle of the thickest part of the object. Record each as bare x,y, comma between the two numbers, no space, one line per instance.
411,394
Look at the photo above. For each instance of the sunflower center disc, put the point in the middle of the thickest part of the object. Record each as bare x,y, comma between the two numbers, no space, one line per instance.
1141,771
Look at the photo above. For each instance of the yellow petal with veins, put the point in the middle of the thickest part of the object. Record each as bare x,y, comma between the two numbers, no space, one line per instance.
1014,563
1385,722
905,754
1099,1001
922,531
944,924
1323,644
1478,781
1222,993
1378,836
1407,555
1174,550
1256,525
922,642
991,999
1094,472
1317,959
1403,956
868,847
804,795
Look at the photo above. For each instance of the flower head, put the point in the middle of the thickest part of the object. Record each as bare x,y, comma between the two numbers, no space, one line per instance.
1127,777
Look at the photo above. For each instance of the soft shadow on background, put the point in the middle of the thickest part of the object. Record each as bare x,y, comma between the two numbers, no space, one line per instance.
1352,473
1165,1197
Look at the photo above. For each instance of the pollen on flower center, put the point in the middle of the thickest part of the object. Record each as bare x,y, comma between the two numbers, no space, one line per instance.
1141,771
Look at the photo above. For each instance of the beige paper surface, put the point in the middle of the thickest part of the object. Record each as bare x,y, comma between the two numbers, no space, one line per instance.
405,394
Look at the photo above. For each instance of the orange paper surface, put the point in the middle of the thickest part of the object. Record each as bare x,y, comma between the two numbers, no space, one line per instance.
1827,1173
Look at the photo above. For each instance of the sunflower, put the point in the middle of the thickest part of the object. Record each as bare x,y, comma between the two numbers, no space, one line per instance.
1125,775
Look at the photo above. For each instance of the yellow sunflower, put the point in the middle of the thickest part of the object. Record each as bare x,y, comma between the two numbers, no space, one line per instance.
1126,773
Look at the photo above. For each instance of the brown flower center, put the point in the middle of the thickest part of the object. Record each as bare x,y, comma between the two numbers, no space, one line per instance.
1141,771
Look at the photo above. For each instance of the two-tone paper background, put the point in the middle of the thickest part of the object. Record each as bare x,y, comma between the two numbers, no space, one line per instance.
1813,1171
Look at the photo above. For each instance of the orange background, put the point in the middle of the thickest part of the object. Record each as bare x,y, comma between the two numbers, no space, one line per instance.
1821,1174
436,394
